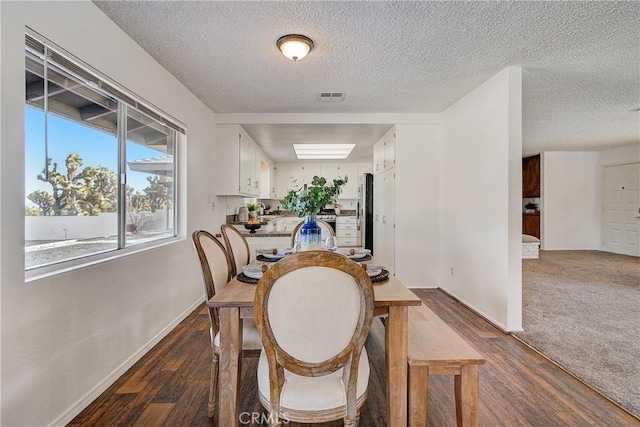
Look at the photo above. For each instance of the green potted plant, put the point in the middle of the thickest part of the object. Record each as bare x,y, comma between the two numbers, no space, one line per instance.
308,202
253,210
267,209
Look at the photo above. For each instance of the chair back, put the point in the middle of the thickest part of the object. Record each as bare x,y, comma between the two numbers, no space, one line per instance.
327,230
313,312
237,247
216,267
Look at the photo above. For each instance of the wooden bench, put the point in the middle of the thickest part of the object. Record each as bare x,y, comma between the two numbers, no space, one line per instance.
436,349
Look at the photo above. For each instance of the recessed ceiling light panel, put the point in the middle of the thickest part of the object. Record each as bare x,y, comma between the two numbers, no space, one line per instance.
323,151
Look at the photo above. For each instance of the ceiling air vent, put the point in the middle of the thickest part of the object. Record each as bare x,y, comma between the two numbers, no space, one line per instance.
331,96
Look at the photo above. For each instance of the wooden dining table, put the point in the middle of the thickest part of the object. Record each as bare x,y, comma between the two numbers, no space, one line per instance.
235,302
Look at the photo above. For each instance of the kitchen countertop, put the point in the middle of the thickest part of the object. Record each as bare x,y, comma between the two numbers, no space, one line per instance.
262,233
273,233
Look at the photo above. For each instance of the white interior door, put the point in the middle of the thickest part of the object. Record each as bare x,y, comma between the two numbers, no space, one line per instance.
622,209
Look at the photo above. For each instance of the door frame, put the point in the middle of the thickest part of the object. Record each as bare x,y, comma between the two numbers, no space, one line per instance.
602,198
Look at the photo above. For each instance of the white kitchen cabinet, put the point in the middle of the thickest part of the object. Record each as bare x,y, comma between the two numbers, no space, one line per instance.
236,167
247,165
347,231
384,152
294,175
308,171
350,190
263,174
287,179
378,157
291,176
331,171
273,184
384,219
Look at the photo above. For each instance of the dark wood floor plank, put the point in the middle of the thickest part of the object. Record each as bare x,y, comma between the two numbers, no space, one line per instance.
154,415
102,411
518,387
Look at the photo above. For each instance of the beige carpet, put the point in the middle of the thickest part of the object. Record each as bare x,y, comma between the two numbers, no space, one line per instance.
581,309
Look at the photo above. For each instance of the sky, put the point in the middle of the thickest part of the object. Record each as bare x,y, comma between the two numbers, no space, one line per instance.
96,148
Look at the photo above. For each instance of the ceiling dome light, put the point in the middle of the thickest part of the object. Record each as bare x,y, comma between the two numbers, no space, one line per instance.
295,46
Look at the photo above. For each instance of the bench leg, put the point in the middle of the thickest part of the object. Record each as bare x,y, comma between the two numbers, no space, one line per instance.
418,395
466,390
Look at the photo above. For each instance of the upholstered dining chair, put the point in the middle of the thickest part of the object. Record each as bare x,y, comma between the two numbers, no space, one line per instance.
237,247
313,312
327,230
216,272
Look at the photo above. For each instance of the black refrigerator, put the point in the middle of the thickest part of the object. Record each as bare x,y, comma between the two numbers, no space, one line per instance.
365,210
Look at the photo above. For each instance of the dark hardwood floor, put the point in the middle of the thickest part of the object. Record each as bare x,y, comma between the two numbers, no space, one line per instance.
518,387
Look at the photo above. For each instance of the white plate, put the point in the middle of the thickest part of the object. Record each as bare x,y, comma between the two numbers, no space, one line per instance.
252,270
272,256
374,272
253,274
360,253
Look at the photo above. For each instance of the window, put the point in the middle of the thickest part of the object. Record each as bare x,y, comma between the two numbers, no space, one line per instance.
100,164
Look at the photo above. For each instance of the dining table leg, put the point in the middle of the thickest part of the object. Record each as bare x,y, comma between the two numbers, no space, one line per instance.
229,367
396,345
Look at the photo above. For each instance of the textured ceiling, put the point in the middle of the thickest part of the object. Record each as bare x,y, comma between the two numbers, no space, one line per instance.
581,60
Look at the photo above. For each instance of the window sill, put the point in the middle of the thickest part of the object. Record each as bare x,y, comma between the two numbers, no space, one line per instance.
63,267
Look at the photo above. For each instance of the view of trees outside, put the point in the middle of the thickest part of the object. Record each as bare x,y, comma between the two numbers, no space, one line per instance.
93,190
78,191
80,181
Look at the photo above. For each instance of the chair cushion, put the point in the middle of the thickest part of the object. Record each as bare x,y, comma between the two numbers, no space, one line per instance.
313,393
250,337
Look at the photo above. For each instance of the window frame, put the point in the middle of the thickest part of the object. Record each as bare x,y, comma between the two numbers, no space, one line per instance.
49,52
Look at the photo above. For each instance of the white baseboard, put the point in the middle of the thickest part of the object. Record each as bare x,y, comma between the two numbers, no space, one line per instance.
85,400
480,313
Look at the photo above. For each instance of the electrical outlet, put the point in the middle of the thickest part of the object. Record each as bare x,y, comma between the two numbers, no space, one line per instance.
453,273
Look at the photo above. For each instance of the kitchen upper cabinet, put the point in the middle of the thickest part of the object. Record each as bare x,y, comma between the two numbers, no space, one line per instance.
291,176
384,152
273,192
378,157
239,163
350,190
264,175
331,171
531,176
248,181
308,171
286,177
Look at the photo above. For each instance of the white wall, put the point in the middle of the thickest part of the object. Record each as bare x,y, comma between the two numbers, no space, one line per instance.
416,200
66,337
569,214
619,155
480,199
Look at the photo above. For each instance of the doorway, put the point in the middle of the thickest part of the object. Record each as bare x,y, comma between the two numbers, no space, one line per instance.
621,227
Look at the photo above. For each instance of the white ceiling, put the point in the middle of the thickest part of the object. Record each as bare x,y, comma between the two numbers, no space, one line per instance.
581,62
